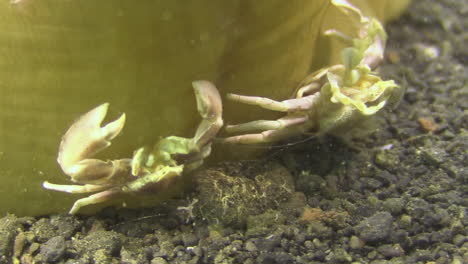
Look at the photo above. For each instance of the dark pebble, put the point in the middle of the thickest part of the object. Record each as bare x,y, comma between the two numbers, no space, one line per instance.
394,206
158,260
444,235
166,249
66,225
189,239
275,258
44,230
8,230
422,240
375,228
391,251
108,241
268,243
53,250
417,208
421,255
371,183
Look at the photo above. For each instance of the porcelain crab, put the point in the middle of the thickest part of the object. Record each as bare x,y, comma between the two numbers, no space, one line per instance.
330,98
149,169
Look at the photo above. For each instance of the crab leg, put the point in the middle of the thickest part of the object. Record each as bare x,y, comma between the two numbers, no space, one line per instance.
274,130
266,124
308,89
94,199
263,137
87,188
289,105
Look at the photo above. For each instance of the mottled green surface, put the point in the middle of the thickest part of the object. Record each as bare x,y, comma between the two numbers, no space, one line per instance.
58,59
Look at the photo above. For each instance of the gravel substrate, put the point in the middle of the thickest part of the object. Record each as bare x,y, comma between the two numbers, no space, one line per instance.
395,195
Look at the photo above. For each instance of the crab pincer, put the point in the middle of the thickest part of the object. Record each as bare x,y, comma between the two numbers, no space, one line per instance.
150,170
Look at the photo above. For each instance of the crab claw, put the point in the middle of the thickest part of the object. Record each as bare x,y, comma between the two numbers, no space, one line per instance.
148,170
210,108
85,138
192,151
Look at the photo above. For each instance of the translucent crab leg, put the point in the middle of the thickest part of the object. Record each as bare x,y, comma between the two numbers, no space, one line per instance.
289,105
87,188
308,89
94,199
262,125
263,137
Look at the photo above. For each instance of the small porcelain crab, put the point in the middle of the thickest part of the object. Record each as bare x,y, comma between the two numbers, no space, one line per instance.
331,98
149,169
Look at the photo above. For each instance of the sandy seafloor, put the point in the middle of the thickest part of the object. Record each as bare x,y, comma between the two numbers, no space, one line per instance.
395,195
